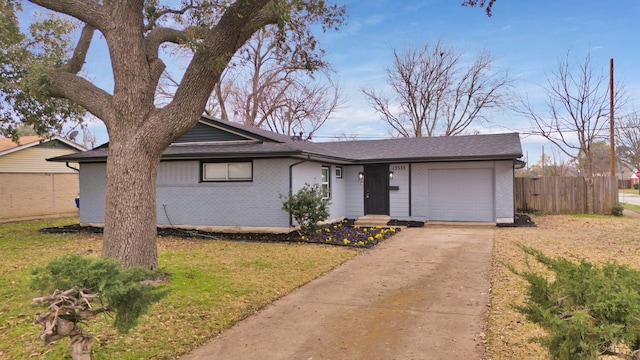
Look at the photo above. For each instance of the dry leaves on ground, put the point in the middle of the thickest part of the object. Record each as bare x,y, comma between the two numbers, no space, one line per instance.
597,239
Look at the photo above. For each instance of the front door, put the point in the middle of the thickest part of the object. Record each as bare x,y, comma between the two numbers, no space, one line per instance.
376,189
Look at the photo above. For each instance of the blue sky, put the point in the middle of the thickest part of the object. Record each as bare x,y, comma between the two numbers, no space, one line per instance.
525,37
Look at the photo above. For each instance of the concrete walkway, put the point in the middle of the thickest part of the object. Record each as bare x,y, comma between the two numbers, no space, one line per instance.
422,294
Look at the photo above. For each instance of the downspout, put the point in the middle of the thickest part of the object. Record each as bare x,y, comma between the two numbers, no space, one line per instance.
291,183
410,190
71,167
77,199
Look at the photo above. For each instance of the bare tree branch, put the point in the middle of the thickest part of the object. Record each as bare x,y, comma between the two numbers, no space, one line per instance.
87,11
628,140
90,97
74,65
435,94
577,109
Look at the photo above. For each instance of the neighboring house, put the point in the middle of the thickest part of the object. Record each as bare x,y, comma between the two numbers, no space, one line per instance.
30,186
223,175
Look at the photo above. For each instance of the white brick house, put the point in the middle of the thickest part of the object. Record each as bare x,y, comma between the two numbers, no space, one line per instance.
224,175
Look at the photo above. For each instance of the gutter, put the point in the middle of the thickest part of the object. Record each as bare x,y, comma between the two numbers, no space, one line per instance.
291,183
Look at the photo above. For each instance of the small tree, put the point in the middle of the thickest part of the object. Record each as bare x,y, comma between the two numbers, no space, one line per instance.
308,206
586,310
93,286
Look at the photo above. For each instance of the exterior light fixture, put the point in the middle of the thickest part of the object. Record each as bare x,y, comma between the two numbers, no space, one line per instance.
360,176
390,174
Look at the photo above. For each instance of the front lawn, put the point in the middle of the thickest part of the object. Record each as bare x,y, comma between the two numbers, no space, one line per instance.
595,238
631,207
213,284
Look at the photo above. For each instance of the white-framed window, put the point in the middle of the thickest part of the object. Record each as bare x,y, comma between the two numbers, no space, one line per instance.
326,181
227,171
338,172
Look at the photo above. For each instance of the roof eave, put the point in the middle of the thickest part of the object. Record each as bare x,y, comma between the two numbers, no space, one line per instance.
438,159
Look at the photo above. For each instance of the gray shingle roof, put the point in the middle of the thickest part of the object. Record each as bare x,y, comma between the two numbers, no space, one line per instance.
268,144
433,148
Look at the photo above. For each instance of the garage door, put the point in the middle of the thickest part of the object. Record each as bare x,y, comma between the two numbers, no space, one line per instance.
461,195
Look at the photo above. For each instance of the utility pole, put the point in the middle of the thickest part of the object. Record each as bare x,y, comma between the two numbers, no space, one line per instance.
612,140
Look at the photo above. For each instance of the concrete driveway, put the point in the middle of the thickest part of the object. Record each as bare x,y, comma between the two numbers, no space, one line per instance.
422,294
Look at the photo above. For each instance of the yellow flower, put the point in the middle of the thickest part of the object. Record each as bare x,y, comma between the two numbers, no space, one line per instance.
357,227
378,227
378,236
361,243
346,241
327,229
370,238
302,237
393,229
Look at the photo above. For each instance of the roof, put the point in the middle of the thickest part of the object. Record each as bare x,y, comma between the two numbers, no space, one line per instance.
256,143
7,145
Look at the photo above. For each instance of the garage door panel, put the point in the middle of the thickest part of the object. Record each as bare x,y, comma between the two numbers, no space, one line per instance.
461,194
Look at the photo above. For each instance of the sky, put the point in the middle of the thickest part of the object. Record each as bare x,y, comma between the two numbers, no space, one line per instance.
526,38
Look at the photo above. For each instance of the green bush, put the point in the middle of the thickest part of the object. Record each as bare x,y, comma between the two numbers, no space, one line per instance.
308,206
635,186
617,210
587,311
118,290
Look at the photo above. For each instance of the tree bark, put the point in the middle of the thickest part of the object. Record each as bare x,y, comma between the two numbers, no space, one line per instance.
130,214
80,347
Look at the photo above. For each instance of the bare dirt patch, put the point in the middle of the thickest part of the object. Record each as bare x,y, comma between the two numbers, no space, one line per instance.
597,239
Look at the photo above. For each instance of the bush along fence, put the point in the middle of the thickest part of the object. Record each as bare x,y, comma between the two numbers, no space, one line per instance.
565,195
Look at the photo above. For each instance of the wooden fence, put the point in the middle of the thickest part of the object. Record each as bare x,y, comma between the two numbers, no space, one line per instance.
565,195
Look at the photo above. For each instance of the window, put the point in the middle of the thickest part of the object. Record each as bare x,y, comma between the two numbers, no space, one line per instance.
231,171
338,172
326,183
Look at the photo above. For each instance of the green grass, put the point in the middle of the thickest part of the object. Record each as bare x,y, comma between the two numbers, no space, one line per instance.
632,207
628,191
212,285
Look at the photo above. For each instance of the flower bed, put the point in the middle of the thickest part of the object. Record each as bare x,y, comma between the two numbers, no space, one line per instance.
343,233
346,233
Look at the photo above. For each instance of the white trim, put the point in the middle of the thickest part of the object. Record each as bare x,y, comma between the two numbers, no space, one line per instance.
43,141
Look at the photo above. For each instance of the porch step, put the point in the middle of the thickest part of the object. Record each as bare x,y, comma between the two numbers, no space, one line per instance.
373,220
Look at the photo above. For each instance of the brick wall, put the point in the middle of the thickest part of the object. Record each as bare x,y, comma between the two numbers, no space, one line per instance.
37,195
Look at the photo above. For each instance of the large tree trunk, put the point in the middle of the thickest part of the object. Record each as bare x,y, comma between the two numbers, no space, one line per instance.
130,216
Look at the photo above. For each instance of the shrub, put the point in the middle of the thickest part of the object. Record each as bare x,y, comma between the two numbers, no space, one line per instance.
587,311
617,210
90,287
635,186
308,206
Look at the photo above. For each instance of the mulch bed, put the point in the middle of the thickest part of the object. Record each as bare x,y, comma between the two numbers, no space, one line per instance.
343,233
519,220
407,223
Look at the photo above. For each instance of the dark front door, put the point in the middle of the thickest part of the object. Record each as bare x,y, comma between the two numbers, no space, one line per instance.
376,189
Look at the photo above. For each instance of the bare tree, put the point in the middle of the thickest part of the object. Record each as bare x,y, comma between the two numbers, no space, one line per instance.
628,140
576,113
261,89
436,93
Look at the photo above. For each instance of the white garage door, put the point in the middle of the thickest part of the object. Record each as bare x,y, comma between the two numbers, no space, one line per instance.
461,195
